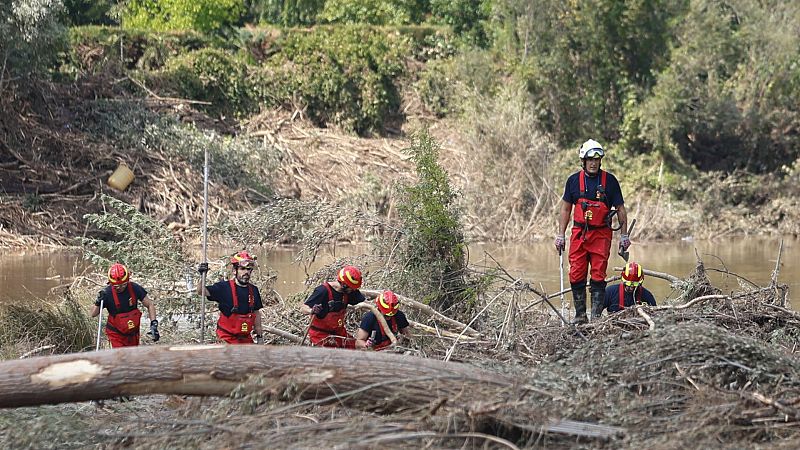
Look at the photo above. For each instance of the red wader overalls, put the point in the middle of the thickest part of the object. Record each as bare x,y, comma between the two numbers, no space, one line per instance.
386,341
122,329
236,328
330,331
590,243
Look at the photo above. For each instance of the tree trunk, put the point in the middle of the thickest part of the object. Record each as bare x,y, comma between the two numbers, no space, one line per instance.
218,369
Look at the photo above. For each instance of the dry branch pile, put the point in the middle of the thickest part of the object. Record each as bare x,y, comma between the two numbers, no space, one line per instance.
712,371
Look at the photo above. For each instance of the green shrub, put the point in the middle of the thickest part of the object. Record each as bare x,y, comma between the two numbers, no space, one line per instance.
432,248
210,75
343,76
444,85
100,49
374,12
198,15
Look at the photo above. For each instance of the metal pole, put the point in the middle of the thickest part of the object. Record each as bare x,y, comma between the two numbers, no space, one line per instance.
99,324
205,251
561,272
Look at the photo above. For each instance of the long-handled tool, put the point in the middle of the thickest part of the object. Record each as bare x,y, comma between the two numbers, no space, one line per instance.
561,273
623,252
205,251
99,324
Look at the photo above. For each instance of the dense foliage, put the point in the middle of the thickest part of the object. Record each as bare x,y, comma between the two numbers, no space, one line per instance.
199,15
31,36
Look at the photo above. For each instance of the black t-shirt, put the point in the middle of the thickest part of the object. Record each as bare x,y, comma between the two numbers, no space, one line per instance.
124,299
612,297
320,297
369,323
220,292
572,189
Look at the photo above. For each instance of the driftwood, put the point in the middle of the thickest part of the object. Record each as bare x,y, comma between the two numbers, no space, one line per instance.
406,301
209,370
302,376
384,326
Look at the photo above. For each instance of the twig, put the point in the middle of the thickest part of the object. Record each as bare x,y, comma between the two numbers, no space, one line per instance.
645,316
693,302
283,334
774,278
36,350
406,301
381,319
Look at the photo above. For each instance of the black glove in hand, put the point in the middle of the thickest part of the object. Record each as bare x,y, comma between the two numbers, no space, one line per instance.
154,330
99,298
259,339
337,306
317,310
202,268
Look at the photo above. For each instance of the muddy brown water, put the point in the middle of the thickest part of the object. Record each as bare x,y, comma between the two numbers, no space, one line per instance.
26,275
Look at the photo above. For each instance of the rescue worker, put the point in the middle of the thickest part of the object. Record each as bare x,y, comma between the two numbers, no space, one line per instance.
592,192
239,302
121,298
328,304
371,333
629,291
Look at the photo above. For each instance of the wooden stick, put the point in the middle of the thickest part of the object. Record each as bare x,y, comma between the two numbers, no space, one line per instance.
426,309
283,334
380,318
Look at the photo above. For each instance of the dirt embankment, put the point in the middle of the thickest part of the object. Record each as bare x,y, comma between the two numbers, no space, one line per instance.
53,169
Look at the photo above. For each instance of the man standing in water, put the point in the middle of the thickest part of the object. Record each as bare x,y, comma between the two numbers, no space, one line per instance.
592,192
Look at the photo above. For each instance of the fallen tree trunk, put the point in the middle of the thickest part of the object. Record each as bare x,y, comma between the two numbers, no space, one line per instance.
216,370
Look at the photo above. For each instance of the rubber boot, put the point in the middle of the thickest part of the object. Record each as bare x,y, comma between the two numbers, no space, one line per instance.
598,290
579,300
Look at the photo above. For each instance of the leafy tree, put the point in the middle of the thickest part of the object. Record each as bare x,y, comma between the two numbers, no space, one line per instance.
729,96
582,59
374,12
467,17
90,12
31,36
198,15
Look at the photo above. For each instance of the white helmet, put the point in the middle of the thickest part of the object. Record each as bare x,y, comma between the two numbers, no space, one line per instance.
590,149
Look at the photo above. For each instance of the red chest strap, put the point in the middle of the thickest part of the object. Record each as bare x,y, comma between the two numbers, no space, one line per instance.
131,302
582,181
250,301
330,293
637,295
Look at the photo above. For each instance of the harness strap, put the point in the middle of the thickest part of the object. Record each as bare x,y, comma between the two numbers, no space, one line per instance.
131,302
250,300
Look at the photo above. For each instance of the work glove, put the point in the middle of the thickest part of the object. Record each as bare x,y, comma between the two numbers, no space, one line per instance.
624,242
560,243
337,306
202,268
154,330
317,310
99,298
259,339
371,341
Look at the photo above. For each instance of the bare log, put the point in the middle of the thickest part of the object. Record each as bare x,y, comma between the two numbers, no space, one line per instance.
284,334
215,370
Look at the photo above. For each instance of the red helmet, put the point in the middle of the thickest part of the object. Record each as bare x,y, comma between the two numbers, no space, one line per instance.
388,303
632,274
118,274
350,276
243,259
